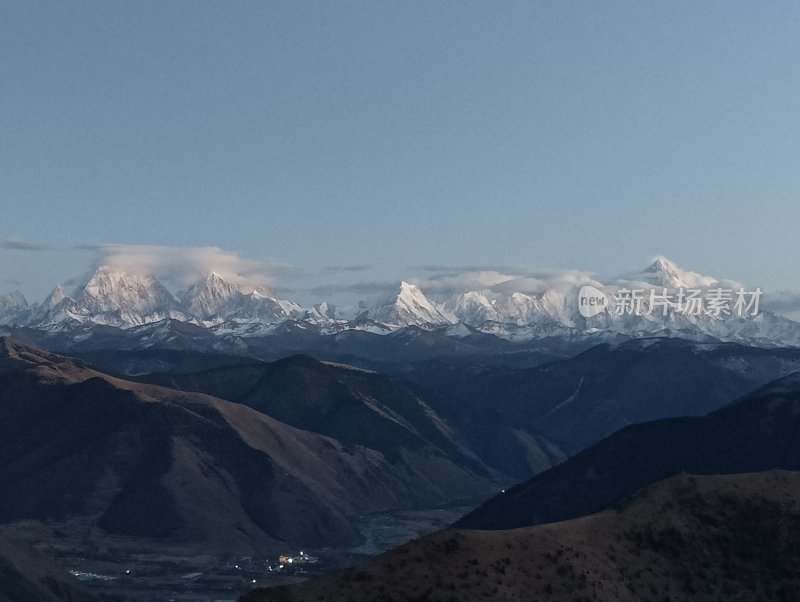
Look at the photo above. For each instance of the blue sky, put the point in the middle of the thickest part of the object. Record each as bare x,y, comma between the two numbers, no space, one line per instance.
388,136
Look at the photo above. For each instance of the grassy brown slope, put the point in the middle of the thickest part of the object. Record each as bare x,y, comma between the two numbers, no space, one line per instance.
358,408
734,537
149,461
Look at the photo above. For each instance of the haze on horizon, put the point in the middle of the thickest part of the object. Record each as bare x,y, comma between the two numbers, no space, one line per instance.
362,143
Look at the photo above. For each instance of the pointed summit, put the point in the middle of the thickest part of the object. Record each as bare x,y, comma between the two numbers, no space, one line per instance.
662,264
115,297
111,290
56,296
409,291
473,308
665,273
212,296
216,299
410,307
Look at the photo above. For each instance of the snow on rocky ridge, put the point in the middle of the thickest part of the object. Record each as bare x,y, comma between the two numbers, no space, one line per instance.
125,300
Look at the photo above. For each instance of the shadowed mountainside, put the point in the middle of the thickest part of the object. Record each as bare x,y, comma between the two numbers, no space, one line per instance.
361,407
26,576
518,421
685,539
578,401
759,432
148,461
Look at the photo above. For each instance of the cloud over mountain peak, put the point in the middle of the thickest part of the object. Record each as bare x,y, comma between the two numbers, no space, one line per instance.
182,267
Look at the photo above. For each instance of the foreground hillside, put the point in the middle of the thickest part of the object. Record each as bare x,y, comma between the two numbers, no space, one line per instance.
688,538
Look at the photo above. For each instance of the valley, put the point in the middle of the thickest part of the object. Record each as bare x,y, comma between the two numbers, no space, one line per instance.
138,570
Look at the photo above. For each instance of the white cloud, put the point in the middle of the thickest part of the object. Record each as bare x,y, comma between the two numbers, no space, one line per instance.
505,281
785,303
181,267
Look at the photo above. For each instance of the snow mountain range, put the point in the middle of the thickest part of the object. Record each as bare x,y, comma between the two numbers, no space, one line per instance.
125,300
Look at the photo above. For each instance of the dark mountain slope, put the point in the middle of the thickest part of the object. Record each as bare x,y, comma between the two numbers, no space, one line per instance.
130,363
361,407
149,461
685,539
26,576
516,421
577,402
760,432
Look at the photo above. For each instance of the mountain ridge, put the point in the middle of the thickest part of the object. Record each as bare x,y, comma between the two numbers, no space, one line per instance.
142,460
126,300
754,433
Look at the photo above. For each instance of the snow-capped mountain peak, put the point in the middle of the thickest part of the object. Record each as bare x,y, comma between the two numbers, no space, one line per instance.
215,299
472,307
212,296
109,296
109,290
115,297
118,298
665,273
410,307
56,296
